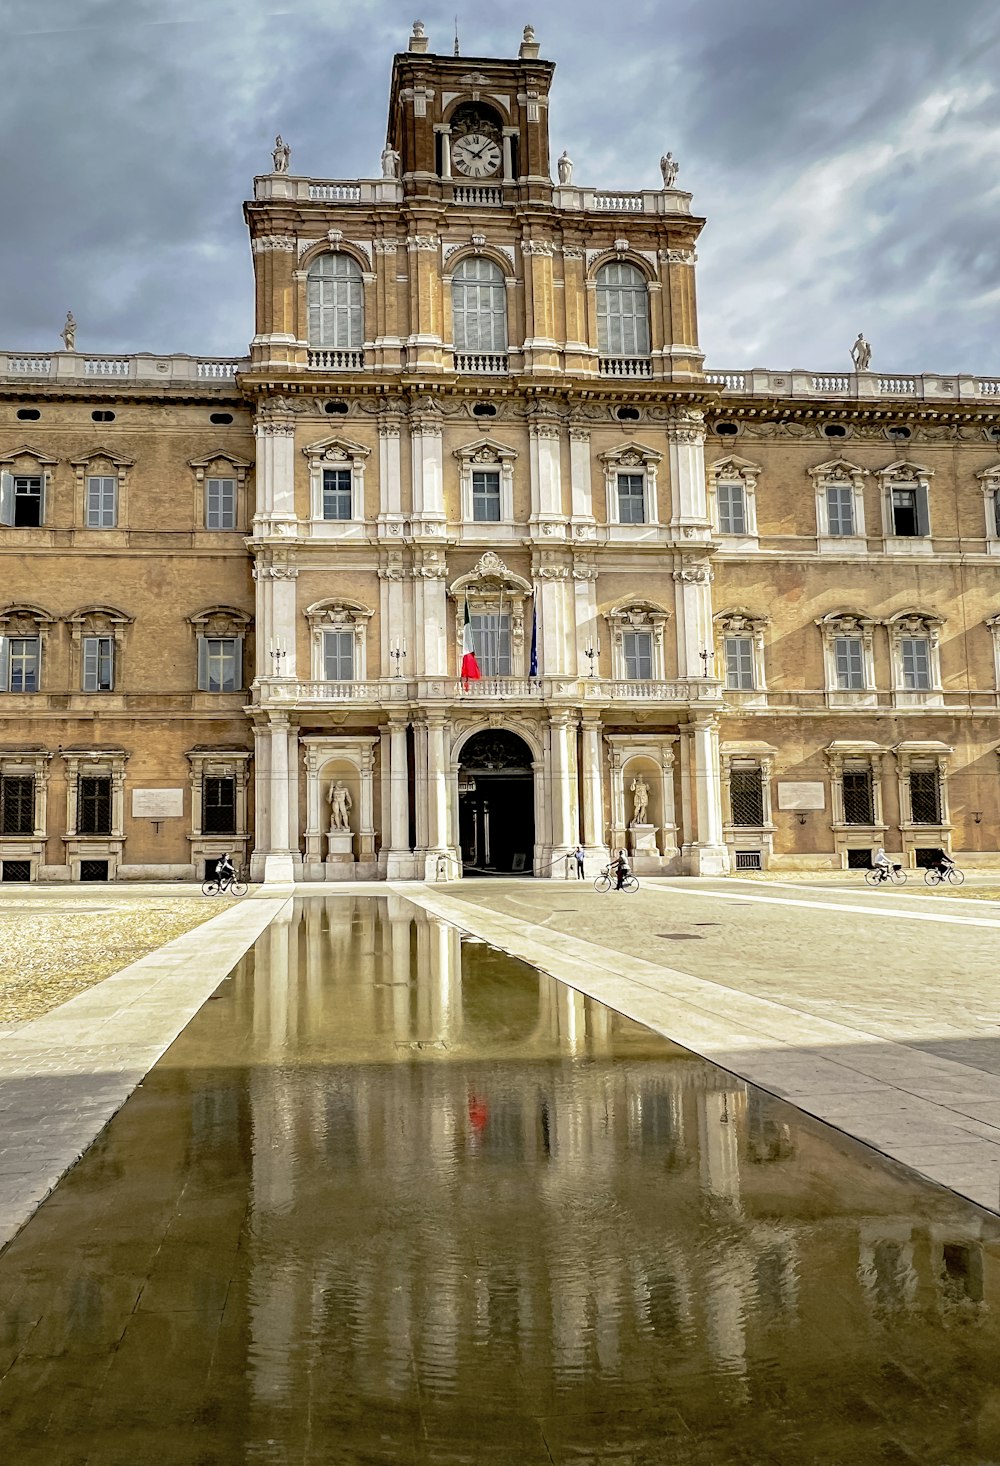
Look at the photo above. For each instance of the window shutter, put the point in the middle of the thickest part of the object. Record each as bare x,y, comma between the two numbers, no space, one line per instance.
4,663
91,660
6,498
238,658
203,664
923,510
44,483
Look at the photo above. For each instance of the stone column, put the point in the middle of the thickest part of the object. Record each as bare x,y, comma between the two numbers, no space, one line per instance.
593,796
707,855
508,155
278,861
565,813
668,829
437,804
400,863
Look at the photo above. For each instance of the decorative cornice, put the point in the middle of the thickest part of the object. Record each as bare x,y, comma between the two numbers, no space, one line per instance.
267,242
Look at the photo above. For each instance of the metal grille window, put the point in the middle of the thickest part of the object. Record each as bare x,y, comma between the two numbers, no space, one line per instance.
220,503
849,654
22,664
102,502
336,295
338,656
859,859
486,497
17,804
732,508
925,797
746,793
748,860
491,639
94,805
218,805
15,870
637,647
479,306
915,657
219,663
859,797
622,311
98,663
337,498
631,498
840,511
739,663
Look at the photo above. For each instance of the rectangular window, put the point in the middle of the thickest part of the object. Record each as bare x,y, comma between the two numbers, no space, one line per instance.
850,663
915,656
94,805
732,509
22,664
859,797
218,805
220,503
17,804
631,498
746,795
98,663
26,510
337,493
910,515
637,647
219,663
925,797
486,498
102,502
338,656
840,511
739,663
491,639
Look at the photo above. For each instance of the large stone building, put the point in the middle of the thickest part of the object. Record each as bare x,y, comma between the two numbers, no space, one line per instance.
724,618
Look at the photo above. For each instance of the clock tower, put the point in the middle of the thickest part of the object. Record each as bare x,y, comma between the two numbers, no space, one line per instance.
461,123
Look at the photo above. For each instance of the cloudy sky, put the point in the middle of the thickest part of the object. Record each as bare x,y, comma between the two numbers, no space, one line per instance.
846,156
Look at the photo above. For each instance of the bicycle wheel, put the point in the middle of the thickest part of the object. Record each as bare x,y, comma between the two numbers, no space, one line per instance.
603,883
897,876
932,876
955,876
630,884
238,888
873,876
210,888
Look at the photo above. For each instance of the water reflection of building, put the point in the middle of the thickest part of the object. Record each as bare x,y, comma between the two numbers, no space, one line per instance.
498,1185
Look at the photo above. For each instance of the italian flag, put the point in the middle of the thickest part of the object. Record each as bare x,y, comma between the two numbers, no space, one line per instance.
470,667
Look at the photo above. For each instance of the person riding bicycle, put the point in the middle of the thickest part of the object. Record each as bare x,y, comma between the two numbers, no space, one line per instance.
882,863
225,870
942,862
621,870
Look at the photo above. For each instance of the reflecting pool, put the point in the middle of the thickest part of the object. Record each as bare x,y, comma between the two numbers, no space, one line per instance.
395,1197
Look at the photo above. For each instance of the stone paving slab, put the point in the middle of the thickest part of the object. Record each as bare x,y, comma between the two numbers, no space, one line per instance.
935,1114
64,1075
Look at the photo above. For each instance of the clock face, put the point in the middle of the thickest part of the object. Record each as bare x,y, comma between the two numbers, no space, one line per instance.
476,155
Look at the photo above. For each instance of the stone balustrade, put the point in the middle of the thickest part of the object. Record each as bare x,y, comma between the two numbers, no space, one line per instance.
375,692
860,386
69,366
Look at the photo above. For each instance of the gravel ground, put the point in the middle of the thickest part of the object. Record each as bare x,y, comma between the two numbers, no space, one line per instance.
50,952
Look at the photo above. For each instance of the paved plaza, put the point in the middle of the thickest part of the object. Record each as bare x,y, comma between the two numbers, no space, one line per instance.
876,1012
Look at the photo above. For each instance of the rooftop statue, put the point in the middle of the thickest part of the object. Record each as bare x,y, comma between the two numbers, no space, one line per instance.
281,153
861,353
668,167
68,332
390,162
565,167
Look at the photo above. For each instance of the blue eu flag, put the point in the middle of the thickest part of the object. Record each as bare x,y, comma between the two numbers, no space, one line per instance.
533,665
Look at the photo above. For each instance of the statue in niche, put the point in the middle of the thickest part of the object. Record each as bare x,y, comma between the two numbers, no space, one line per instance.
565,166
339,799
68,332
281,155
668,168
861,353
390,162
640,790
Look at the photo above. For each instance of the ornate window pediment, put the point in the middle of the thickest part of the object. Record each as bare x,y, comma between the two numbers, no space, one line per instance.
337,482
486,477
338,634
637,625
220,621
630,472
739,637
732,493
489,576
485,586
840,505
25,456
848,657
915,656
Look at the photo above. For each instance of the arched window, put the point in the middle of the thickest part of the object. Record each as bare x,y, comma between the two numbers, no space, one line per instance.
622,310
479,307
336,304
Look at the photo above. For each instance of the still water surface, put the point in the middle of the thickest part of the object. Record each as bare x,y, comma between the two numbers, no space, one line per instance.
395,1197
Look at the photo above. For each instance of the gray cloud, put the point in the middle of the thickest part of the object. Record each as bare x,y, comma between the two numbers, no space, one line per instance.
842,155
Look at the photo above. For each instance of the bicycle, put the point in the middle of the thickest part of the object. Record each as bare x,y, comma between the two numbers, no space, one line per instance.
877,875
936,875
224,886
608,882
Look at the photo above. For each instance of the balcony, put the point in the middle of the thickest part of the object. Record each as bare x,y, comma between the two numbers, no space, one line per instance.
479,195
626,366
387,691
69,366
855,386
482,363
336,361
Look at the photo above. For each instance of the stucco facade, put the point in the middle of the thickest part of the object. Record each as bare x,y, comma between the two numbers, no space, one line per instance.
722,618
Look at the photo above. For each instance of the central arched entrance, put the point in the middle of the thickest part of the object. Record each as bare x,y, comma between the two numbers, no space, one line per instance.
496,805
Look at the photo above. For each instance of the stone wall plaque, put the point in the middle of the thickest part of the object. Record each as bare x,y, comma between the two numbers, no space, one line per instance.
157,804
801,795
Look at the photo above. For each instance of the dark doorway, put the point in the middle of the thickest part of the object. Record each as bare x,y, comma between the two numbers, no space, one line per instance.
496,805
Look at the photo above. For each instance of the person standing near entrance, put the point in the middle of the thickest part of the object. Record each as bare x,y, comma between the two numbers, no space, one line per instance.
578,857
